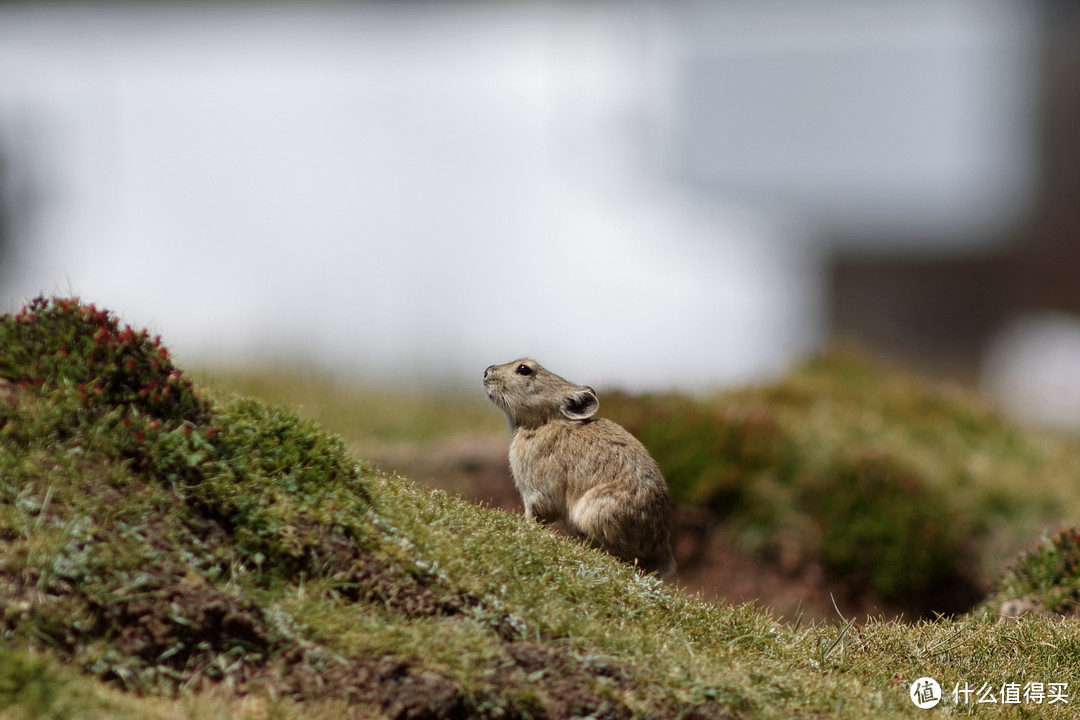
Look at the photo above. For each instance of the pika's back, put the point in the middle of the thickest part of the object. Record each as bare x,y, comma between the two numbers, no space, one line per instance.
530,395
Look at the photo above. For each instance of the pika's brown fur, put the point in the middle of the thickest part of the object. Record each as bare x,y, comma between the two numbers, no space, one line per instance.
588,472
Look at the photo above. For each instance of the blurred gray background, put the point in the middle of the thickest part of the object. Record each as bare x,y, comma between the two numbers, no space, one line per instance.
675,194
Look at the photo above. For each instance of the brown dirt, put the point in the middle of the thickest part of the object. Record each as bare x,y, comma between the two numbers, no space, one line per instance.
9,391
567,686
548,681
174,621
714,566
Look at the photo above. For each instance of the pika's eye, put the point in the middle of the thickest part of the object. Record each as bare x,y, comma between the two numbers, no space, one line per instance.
523,369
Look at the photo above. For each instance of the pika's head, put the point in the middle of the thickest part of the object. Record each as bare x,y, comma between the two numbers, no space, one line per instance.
531,396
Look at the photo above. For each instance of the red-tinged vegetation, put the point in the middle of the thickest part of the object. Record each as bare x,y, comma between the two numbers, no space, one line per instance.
58,341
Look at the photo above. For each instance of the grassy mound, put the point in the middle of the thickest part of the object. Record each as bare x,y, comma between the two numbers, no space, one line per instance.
172,554
138,518
915,491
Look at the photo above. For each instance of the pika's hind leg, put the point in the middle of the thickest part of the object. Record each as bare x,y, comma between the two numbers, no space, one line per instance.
540,507
623,528
600,518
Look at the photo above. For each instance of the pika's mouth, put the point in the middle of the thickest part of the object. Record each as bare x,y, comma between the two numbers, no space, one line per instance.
496,393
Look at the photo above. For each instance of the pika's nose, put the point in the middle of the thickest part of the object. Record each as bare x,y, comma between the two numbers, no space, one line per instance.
487,370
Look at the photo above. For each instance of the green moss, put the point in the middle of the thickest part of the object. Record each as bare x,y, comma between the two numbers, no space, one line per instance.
878,522
34,687
710,455
27,684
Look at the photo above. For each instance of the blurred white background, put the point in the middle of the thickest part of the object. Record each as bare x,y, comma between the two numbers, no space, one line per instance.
636,193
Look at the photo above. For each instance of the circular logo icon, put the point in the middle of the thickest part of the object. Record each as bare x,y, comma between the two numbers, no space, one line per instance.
925,693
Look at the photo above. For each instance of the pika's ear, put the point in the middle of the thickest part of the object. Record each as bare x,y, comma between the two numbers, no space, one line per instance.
580,403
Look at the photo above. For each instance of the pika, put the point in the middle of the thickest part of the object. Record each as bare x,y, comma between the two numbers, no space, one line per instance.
588,472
